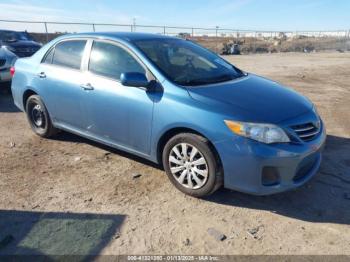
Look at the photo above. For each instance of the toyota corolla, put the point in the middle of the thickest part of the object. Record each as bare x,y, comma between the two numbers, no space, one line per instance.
171,101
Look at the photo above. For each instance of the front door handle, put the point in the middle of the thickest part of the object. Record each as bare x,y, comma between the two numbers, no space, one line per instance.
42,75
87,86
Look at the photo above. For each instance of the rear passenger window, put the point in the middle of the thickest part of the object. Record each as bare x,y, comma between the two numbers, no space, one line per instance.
69,53
111,61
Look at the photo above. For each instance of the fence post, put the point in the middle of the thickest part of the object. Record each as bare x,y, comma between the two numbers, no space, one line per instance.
217,40
255,39
164,30
131,28
47,32
93,27
192,32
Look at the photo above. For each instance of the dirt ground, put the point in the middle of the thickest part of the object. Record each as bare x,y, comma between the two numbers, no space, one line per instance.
72,196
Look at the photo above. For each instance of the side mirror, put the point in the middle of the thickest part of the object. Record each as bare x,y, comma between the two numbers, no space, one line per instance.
134,79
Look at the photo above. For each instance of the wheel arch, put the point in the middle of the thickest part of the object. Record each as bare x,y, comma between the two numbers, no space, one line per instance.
26,95
166,136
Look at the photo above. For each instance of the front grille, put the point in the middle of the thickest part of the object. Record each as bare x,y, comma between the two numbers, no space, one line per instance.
2,62
308,131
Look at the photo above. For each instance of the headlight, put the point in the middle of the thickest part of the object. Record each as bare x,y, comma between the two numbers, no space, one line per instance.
10,48
266,133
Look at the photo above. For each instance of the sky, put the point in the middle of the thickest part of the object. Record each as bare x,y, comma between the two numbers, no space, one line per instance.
276,15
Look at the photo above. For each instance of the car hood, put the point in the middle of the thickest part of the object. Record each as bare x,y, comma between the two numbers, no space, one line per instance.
253,99
21,43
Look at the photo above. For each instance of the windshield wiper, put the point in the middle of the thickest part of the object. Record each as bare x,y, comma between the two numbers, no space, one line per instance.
222,78
195,82
206,81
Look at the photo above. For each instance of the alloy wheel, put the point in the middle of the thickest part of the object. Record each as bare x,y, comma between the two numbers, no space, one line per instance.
188,166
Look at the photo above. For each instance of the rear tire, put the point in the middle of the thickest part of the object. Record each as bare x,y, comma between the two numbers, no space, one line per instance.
191,165
38,117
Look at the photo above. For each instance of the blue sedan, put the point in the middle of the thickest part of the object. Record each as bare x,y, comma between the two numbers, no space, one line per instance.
171,101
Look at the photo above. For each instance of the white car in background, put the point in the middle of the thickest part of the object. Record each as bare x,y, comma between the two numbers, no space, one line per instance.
7,60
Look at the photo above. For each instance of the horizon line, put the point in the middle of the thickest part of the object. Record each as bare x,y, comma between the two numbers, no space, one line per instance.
218,28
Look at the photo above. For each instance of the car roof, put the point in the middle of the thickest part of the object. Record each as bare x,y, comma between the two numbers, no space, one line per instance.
126,36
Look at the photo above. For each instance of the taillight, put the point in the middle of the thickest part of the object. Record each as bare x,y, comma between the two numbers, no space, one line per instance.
12,70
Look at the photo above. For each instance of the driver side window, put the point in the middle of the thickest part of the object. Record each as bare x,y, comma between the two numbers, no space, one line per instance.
111,61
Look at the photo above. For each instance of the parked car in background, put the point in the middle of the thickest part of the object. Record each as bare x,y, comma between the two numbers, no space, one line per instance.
19,43
231,49
175,103
7,60
184,35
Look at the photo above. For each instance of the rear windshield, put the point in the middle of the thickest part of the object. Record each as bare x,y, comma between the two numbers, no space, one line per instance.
186,63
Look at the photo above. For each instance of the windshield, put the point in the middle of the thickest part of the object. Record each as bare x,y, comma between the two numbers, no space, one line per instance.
186,63
11,36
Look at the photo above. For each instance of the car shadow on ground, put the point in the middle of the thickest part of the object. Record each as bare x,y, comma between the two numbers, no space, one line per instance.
6,101
47,234
325,199
68,137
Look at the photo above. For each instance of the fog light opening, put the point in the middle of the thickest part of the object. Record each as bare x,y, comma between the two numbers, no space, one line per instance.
270,176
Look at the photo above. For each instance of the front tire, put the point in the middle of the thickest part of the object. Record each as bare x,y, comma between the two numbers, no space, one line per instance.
38,117
191,165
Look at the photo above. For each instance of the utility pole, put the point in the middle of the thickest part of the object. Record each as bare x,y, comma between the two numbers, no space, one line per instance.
217,40
46,32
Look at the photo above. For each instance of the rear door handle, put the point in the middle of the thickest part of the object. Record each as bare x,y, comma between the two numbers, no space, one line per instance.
42,75
87,86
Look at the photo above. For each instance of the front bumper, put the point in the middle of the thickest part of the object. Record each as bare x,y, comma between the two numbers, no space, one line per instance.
244,160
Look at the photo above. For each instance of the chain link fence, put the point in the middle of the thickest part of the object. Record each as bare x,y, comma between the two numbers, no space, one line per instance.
220,40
